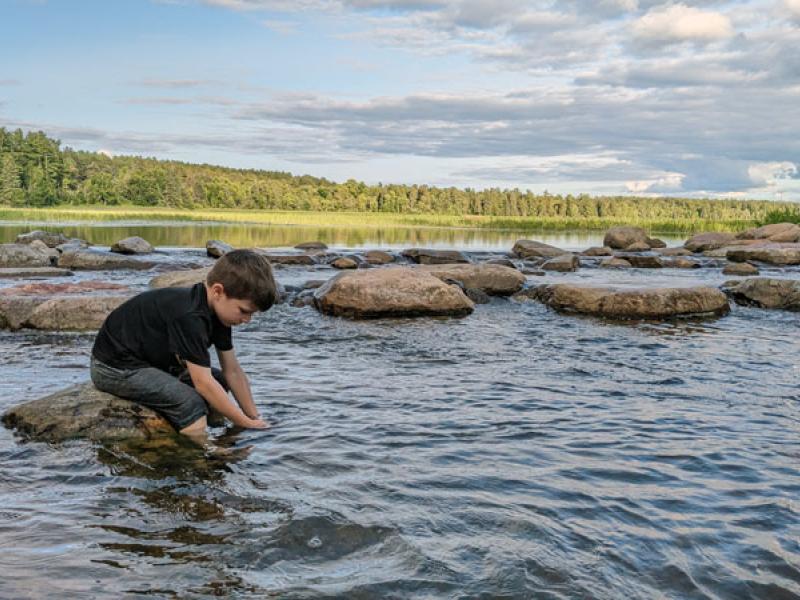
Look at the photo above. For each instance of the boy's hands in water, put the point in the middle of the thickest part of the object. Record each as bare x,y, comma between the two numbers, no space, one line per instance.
256,424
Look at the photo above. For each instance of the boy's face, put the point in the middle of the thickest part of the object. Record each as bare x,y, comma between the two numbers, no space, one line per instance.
230,311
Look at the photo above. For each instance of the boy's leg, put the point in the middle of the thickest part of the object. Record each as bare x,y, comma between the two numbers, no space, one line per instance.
214,418
177,402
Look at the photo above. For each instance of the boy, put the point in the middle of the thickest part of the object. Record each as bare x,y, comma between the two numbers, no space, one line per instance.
153,349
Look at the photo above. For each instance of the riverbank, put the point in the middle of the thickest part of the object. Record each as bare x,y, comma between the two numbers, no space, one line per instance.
80,214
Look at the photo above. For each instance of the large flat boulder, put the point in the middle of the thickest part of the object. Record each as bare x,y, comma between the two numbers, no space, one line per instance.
709,241
390,292
765,292
100,261
534,249
27,255
84,412
185,278
60,313
653,303
495,280
776,232
424,256
784,254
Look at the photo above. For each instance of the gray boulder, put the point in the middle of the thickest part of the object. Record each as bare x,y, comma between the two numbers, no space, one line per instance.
534,249
620,238
378,257
598,251
742,269
564,264
390,292
615,263
681,263
100,261
777,232
84,412
217,248
703,242
62,313
132,245
787,254
643,261
763,292
27,255
424,256
290,259
495,280
185,278
51,240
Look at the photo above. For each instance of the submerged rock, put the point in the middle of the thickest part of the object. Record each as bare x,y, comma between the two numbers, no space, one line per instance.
764,292
84,412
100,261
425,256
132,245
495,280
51,240
217,248
390,292
654,303
534,249
774,255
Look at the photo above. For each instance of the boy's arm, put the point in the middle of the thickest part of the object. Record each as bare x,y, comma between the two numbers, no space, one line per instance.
238,382
213,393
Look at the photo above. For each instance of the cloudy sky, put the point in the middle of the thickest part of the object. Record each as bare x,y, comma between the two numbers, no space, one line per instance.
641,97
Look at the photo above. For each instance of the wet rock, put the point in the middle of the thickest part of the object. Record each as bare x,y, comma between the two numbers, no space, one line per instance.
64,313
33,272
100,261
495,280
615,263
311,246
73,244
638,247
477,296
313,284
674,252
657,244
655,303
51,240
378,257
640,261
598,251
777,232
26,255
681,263
763,292
703,242
565,263
777,255
185,278
303,299
217,248
390,292
344,262
534,249
290,259
620,238
503,262
425,256
86,413
533,272
132,245
52,289
742,269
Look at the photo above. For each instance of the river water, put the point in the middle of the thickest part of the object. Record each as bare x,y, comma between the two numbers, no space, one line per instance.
514,453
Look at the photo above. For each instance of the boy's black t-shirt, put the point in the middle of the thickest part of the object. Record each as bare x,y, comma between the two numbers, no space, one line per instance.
162,328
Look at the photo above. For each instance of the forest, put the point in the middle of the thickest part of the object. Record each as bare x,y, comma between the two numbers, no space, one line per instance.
35,171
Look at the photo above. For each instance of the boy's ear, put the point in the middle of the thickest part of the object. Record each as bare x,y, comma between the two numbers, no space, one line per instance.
217,289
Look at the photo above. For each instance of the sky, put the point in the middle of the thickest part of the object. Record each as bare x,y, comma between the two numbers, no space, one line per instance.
623,97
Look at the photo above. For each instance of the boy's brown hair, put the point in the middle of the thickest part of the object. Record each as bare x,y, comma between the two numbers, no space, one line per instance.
245,275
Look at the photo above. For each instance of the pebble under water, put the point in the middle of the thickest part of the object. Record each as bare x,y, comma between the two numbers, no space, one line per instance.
515,453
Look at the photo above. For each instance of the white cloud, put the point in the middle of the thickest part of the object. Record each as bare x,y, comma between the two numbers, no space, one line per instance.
681,23
670,182
793,6
768,173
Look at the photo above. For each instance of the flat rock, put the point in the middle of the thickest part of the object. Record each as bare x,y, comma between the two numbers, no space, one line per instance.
764,292
495,280
708,241
390,292
776,232
424,256
615,263
565,263
503,262
378,257
63,313
60,289
620,238
185,278
534,249
132,245
643,261
655,303
674,252
83,412
290,259
217,248
772,255
100,261
681,263
743,269
26,255
598,251
50,239
311,246
33,272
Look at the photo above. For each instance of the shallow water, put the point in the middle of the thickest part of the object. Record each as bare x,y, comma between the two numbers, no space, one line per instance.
515,453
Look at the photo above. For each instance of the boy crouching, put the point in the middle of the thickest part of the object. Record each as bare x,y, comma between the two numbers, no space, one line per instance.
153,349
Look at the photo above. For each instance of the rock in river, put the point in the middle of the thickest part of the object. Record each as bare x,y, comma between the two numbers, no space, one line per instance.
99,261
185,278
495,280
424,256
787,254
653,303
84,412
776,232
51,240
26,255
621,238
534,249
62,313
217,248
741,269
708,241
565,263
764,292
132,245
390,292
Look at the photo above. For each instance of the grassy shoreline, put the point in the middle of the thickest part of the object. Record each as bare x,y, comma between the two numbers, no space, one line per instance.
353,219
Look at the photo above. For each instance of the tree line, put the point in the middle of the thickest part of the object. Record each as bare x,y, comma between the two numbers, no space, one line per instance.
36,172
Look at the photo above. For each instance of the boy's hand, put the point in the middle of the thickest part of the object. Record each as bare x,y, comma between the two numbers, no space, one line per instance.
257,424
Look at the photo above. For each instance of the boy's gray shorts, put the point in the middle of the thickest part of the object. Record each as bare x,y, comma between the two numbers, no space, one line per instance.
171,396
